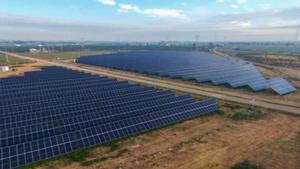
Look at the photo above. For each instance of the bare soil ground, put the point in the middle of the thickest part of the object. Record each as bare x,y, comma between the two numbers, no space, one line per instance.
209,142
275,60
19,70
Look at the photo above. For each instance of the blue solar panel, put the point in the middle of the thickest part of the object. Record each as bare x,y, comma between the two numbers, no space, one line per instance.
55,111
199,66
281,86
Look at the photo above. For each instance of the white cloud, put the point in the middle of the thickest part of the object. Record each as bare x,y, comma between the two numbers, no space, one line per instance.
160,12
108,2
264,25
129,8
241,1
265,5
153,12
220,1
260,24
235,6
237,3
241,24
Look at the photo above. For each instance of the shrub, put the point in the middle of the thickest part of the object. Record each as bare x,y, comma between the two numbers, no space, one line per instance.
247,165
251,114
79,156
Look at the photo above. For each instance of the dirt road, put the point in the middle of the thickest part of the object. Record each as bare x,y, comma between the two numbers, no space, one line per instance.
166,84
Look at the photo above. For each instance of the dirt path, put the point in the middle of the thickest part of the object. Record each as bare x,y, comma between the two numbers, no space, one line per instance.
19,70
173,85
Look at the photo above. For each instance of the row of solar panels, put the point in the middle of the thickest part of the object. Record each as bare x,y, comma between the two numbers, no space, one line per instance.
56,111
202,67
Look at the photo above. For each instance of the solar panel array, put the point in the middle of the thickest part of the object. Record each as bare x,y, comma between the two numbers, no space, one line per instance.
199,66
55,111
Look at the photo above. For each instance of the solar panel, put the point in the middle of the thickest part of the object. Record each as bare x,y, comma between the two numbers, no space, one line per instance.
281,86
56,111
199,66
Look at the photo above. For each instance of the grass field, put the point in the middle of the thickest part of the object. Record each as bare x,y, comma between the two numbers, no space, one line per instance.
11,60
260,48
65,55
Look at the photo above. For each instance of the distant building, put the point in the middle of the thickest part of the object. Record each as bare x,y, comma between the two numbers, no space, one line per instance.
42,50
33,50
4,68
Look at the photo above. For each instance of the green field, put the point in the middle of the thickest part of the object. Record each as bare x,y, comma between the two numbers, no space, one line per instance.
65,55
262,48
11,60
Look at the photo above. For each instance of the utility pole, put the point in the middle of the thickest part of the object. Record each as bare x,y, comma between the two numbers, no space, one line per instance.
215,37
224,40
197,36
297,35
82,43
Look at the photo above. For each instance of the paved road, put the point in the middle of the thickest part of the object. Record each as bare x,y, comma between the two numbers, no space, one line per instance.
165,84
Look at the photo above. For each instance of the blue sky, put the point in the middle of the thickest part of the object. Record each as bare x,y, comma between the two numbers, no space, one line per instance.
149,20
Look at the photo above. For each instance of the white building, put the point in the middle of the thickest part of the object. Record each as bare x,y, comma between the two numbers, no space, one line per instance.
41,50
4,68
33,50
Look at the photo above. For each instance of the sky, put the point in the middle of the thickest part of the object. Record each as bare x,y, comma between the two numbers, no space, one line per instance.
149,20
